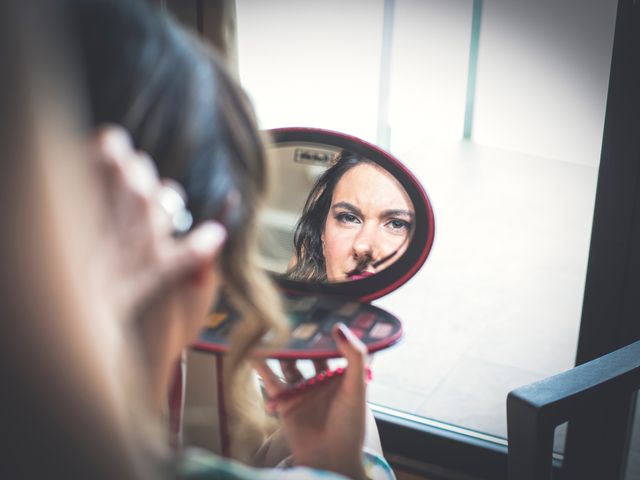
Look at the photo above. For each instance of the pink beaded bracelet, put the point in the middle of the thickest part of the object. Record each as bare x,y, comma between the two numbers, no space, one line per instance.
316,380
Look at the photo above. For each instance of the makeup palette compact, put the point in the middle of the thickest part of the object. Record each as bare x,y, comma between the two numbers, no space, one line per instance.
311,319
349,225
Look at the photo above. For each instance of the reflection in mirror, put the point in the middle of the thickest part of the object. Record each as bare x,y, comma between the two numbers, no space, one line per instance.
338,217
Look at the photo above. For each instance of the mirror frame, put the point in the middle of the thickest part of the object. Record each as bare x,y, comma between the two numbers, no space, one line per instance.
410,262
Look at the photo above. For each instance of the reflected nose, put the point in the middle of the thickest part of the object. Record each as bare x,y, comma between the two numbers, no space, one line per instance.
364,245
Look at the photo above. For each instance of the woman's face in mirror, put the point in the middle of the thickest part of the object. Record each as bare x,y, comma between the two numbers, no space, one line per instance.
369,223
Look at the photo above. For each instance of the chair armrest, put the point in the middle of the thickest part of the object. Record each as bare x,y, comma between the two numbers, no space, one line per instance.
534,410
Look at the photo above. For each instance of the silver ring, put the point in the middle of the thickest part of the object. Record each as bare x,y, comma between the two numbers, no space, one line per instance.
173,205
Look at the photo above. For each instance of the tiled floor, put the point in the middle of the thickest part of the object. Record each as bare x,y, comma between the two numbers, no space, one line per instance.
497,305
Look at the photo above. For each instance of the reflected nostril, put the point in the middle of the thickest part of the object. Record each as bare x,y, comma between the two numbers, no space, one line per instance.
362,261
362,251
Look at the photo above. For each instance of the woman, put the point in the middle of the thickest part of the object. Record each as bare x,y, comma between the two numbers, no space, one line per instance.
356,221
186,113
142,291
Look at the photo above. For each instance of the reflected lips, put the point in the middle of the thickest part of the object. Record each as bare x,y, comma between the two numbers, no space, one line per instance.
359,275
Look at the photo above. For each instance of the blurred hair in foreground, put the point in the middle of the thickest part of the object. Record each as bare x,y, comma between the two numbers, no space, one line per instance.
60,418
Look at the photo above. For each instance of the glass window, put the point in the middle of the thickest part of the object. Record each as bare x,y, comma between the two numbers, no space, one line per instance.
498,303
313,64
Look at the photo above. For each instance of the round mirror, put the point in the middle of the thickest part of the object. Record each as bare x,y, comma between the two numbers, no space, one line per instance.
344,217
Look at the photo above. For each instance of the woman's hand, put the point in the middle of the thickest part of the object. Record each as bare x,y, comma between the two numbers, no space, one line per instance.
140,259
160,284
325,424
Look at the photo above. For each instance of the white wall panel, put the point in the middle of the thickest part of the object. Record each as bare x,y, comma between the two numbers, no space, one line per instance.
543,72
308,63
430,59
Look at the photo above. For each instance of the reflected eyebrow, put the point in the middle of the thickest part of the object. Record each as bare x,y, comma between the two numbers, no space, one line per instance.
398,213
347,206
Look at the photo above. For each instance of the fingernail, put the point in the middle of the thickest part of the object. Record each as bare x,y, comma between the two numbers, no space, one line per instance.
208,237
341,332
116,141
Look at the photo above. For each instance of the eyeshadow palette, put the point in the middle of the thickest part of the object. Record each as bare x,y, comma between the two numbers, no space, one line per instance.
311,319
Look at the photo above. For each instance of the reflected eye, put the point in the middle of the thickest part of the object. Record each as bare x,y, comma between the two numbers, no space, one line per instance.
397,225
346,217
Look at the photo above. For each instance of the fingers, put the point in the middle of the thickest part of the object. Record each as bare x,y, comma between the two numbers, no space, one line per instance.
118,157
129,179
355,352
272,383
114,146
142,215
320,366
198,250
191,252
142,174
290,371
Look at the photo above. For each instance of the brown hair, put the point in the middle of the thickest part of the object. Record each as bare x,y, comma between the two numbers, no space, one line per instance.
182,107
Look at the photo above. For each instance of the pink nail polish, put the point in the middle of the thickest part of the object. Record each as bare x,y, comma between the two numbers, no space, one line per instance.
341,334
305,385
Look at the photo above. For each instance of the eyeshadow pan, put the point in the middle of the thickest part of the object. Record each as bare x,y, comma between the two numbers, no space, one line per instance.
364,320
327,325
223,330
358,332
381,330
348,309
296,318
289,302
323,341
215,319
310,320
304,304
304,331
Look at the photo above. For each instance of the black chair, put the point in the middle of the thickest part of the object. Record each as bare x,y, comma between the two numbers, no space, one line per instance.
583,396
